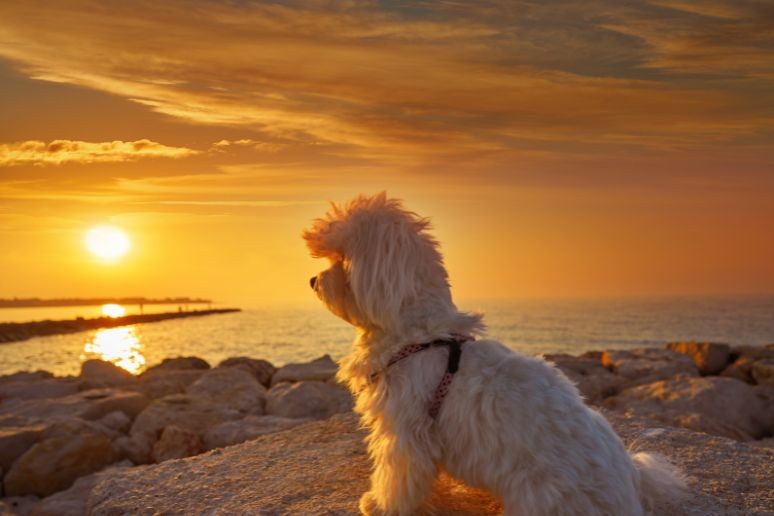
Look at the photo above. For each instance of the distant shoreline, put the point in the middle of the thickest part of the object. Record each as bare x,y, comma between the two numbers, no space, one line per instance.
15,332
34,302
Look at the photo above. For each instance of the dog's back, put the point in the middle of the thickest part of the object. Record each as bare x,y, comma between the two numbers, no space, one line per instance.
515,425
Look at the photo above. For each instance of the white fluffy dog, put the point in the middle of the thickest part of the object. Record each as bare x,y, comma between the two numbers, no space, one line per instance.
509,423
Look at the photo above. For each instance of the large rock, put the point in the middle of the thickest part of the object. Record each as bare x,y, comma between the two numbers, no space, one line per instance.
73,426
99,373
743,358
14,441
316,400
320,369
763,372
92,404
593,380
165,382
137,448
261,369
72,501
105,401
715,405
176,443
18,505
46,388
116,421
177,363
322,468
26,376
709,357
646,365
741,369
53,464
241,430
230,387
197,415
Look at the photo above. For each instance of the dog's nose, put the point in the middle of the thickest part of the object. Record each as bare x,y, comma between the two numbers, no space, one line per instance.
313,281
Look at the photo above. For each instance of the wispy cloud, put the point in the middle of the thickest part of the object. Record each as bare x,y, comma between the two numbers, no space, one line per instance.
390,84
262,146
721,38
59,152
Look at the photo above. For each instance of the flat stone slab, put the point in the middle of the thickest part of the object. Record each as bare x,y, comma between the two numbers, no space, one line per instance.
322,468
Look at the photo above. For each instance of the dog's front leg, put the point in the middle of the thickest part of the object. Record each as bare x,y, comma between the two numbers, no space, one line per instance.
402,478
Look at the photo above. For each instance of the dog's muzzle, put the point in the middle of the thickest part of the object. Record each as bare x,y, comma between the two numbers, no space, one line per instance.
313,281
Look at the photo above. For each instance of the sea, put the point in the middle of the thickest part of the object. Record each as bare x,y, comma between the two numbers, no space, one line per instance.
285,335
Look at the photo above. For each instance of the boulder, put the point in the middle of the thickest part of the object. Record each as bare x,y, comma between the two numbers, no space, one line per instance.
241,430
230,387
137,448
307,399
322,468
177,363
17,505
92,404
99,373
72,426
14,441
105,401
743,358
44,409
762,372
195,414
26,376
261,369
646,365
176,443
46,388
715,405
166,382
320,369
53,464
593,380
709,357
741,369
117,421
72,501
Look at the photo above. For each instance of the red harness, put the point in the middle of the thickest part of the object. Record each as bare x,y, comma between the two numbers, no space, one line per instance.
455,352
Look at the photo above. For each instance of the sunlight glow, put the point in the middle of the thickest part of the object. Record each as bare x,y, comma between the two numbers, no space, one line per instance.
113,310
120,346
107,242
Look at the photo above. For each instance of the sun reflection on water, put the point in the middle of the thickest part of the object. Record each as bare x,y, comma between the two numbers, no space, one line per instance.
120,346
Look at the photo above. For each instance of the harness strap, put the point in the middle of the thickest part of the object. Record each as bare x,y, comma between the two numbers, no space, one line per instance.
452,365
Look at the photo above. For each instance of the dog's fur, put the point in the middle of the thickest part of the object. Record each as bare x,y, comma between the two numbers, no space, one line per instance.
512,424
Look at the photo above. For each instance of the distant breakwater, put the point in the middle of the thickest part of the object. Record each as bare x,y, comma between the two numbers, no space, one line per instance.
13,332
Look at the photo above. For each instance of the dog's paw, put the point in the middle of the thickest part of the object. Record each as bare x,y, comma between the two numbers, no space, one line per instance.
369,506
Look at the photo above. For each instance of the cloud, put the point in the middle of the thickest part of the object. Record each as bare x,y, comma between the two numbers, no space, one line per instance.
261,146
403,85
724,39
59,152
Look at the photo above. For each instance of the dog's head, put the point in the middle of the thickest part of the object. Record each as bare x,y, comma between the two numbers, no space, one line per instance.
386,271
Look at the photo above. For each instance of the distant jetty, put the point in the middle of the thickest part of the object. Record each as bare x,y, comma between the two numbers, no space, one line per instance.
32,302
13,332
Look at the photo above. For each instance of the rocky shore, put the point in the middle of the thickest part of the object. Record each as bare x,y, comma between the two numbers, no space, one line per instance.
247,437
13,332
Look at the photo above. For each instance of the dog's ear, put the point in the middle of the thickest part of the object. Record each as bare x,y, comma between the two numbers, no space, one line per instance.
385,258
327,236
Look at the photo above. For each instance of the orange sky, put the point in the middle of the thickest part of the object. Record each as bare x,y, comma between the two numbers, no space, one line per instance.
573,149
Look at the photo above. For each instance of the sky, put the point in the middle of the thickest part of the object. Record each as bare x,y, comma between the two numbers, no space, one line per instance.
596,148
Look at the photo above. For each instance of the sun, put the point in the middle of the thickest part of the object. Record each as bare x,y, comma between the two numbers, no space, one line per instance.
107,242
113,310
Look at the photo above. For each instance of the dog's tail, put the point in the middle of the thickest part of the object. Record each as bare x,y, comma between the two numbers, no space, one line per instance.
659,479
